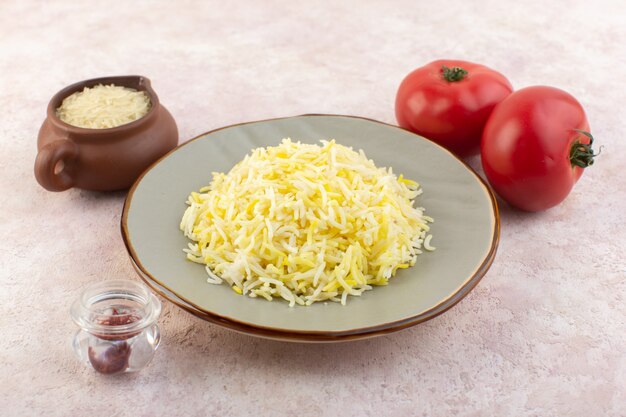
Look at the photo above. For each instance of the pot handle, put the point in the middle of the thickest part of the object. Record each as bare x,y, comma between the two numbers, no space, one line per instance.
53,166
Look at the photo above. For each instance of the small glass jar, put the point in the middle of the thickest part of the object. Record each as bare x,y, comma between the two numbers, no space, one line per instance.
118,330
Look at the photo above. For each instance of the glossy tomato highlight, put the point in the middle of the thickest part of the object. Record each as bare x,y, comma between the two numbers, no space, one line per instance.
535,147
449,102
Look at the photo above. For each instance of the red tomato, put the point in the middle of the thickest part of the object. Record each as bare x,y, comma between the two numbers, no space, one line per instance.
449,102
535,147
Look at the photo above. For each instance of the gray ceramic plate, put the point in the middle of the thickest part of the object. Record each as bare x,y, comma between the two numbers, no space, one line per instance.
465,231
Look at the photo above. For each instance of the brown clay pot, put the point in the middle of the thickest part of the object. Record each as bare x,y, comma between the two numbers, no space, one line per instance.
102,159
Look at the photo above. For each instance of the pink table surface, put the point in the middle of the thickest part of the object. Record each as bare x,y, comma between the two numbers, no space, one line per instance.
542,335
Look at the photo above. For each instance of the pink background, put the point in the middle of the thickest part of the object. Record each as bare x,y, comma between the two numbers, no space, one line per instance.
542,335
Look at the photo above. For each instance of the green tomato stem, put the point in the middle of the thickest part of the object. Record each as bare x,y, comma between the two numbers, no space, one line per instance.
454,74
581,154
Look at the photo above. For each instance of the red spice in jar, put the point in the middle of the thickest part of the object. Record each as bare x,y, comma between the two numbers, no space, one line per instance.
115,357
112,360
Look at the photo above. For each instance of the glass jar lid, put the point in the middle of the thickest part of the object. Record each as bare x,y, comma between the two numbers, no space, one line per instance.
115,309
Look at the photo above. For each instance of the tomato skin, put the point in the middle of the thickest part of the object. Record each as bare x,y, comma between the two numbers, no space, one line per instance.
450,113
526,144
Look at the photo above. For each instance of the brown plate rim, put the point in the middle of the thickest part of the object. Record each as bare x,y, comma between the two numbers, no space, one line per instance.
312,335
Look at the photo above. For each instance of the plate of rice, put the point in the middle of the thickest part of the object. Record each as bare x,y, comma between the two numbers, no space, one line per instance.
314,228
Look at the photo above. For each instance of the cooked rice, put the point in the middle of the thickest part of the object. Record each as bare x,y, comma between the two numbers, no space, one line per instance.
306,223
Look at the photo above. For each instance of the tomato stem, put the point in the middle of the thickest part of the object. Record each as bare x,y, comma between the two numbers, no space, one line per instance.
453,74
581,154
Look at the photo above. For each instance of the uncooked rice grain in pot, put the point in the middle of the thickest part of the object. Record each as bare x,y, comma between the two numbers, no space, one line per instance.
104,106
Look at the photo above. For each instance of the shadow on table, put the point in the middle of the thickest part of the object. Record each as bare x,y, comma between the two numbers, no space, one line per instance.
208,346
101,195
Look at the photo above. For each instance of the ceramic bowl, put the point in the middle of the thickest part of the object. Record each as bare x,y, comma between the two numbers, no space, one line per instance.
465,231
